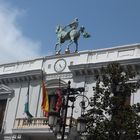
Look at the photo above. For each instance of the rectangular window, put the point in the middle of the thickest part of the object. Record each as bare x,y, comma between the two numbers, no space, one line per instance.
49,66
71,63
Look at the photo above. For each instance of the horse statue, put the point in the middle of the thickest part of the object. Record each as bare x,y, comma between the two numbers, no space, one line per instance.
72,34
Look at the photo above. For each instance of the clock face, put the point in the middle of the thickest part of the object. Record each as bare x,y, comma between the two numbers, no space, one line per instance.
60,65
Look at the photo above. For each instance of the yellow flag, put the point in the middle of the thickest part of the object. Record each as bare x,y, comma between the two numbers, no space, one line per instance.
46,109
45,100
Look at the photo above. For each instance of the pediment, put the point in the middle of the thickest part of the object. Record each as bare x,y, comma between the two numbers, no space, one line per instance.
2,90
5,91
55,83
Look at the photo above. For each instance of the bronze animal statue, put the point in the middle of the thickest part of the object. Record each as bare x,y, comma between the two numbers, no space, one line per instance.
71,33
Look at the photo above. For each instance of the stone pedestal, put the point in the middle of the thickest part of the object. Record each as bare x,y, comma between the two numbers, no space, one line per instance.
67,51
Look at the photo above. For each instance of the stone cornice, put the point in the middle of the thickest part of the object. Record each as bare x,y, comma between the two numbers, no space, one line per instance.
89,68
21,76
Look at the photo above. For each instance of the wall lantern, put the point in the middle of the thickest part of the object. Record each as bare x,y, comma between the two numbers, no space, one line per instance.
53,117
81,125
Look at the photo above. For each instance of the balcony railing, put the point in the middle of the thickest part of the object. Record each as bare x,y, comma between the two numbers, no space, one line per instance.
34,124
25,125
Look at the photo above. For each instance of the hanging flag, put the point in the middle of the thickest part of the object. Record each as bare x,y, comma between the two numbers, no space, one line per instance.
59,100
26,107
45,100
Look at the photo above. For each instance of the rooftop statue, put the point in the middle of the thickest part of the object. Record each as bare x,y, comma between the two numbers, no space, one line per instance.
71,33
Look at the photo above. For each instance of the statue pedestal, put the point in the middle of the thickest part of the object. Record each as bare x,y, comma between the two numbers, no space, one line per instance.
57,53
67,51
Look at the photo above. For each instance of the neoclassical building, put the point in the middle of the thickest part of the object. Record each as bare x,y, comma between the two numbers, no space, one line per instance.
56,70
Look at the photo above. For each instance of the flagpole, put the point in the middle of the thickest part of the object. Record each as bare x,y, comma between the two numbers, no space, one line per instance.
28,93
39,94
59,82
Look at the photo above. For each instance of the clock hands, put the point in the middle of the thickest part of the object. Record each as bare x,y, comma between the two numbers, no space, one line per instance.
60,66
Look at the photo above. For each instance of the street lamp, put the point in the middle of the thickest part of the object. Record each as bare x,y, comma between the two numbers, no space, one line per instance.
57,121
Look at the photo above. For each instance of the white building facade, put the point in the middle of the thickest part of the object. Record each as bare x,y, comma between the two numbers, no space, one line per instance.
57,70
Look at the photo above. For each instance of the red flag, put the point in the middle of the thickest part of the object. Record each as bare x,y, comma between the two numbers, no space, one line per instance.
59,100
45,100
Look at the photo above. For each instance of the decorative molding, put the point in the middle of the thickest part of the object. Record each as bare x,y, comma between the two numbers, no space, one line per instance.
63,75
126,53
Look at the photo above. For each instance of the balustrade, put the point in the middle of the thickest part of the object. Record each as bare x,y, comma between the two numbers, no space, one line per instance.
35,123
25,123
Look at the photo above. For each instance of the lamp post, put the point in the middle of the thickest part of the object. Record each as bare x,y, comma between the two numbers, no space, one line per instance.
66,109
57,121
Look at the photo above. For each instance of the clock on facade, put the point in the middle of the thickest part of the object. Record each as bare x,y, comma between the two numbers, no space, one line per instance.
60,65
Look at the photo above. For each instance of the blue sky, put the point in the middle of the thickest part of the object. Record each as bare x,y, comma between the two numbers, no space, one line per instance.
110,22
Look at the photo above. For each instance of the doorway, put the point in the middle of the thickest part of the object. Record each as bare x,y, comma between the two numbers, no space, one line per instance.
2,111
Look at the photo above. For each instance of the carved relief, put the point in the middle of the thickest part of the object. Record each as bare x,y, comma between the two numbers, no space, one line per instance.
125,53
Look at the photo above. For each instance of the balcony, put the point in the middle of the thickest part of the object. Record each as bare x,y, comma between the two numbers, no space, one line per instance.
35,125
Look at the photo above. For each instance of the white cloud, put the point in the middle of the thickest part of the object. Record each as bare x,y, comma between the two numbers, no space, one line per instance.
14,46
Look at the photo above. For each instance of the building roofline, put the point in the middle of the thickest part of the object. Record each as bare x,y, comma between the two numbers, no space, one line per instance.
22,61
114,48
94,51
74,54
